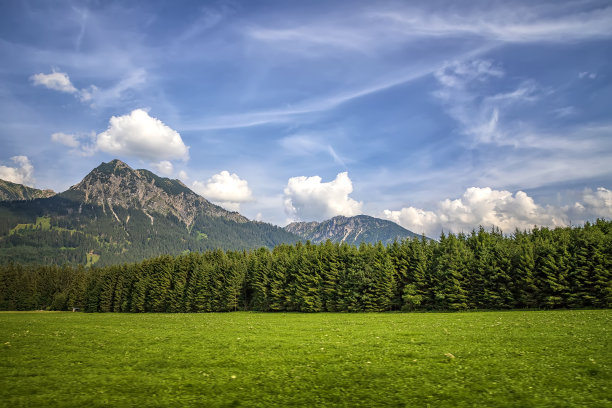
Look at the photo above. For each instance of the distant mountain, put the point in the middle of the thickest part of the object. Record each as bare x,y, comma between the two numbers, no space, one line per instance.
12,191
117,214
353,230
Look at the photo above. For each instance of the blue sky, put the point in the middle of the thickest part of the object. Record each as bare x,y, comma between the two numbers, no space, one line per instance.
434,114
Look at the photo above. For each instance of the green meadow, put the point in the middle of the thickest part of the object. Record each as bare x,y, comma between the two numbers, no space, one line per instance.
247,359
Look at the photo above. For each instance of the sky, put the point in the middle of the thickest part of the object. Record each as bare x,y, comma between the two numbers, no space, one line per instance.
438,115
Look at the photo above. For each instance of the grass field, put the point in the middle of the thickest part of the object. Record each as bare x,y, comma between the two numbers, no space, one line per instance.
522,359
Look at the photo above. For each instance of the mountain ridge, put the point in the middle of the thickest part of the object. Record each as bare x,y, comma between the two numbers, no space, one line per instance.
10,191
353,230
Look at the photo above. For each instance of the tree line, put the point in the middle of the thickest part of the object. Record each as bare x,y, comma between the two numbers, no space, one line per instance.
544,268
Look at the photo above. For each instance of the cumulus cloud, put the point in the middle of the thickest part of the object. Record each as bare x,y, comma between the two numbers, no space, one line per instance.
227,190
415,220
308,198
487,207
22,173
595,204
143,136
58,81
164,167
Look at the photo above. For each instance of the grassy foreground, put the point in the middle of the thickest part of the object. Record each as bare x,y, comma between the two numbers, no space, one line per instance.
522,359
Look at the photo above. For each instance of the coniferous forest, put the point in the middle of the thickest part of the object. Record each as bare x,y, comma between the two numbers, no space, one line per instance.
544,268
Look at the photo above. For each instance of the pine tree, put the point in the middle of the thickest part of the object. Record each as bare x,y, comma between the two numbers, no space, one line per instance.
526,290
330,271
448,273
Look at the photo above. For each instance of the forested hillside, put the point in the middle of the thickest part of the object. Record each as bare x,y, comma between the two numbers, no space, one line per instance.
560,268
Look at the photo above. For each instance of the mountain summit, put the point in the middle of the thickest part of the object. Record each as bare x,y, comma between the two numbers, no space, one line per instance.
116,184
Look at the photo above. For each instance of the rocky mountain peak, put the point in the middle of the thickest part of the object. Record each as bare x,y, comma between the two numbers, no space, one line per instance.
117,184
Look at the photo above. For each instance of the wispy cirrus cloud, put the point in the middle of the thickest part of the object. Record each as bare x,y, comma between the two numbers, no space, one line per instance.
474,105
370,36
371,31
306,107
304,144
514,23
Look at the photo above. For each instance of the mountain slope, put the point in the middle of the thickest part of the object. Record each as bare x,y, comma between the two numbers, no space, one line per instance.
353,230
118,214
12,191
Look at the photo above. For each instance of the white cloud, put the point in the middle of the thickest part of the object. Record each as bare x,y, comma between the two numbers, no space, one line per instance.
164,167
374,29
143,136
225,189
307,198
414,219
595,204
58,81
65,139
22,173
74,141
500,208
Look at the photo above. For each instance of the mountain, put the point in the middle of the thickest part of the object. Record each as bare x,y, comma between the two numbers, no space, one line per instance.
353,230
12,191
116,184
117,214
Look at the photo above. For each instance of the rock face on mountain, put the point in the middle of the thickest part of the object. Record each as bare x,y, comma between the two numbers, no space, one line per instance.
12,191
353,230
116,184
